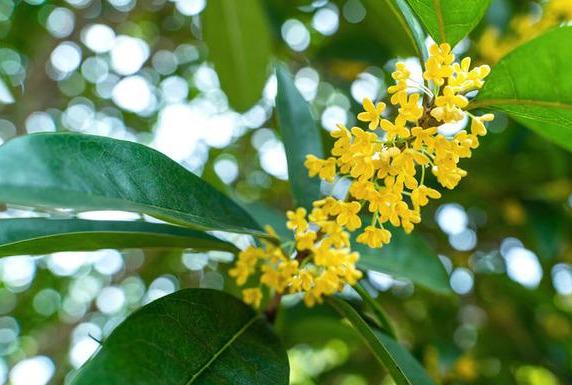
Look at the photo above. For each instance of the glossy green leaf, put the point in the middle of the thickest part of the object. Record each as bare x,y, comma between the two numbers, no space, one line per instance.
449,21
85,172
238,40
301,137
401,29
401,365
36,236
533,85
407,256
194,336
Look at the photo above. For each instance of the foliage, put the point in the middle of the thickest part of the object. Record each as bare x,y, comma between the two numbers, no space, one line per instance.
460,301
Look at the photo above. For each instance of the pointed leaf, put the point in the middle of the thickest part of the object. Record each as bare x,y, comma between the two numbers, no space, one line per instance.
86,172
238,40
407,256
449,21
37,236
301,137
194,336
533,85
401,365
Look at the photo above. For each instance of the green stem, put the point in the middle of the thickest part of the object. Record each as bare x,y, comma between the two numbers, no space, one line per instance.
377,310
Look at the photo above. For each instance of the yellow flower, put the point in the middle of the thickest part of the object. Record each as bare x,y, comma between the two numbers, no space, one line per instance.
326,169
329,205
246,264
450,98
411,109
478,126
318,216
423,137
420,195
442,53
372,113
342,144
305,241
401,72
297,220
302,282
348,215
337,237
252,297
448,177
396,91
374,237
395,130
362,189
449,106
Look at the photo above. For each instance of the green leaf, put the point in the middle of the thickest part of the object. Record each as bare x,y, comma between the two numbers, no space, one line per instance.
301,137
238,40
267,215
401,365
194,336
407,256
449,21
36,236
533,85
85,172
401,29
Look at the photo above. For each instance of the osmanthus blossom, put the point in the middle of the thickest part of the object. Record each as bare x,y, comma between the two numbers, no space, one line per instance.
387,164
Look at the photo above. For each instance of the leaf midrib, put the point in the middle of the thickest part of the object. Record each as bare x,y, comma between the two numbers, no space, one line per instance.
519,102
369,338
223,348
440,23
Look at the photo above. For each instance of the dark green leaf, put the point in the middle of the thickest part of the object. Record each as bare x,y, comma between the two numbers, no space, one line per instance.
533,85
194,336
401,29
401,365
407,256
449,21
35,236
238,39
86,172
266,215
301,137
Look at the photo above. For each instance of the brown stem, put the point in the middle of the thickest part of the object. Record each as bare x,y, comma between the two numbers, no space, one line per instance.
272,309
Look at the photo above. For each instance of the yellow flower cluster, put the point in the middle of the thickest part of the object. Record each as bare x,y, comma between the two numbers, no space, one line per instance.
320,264
383,162
386,164
493,46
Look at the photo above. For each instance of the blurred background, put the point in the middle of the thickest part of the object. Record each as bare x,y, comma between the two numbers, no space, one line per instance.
142,70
